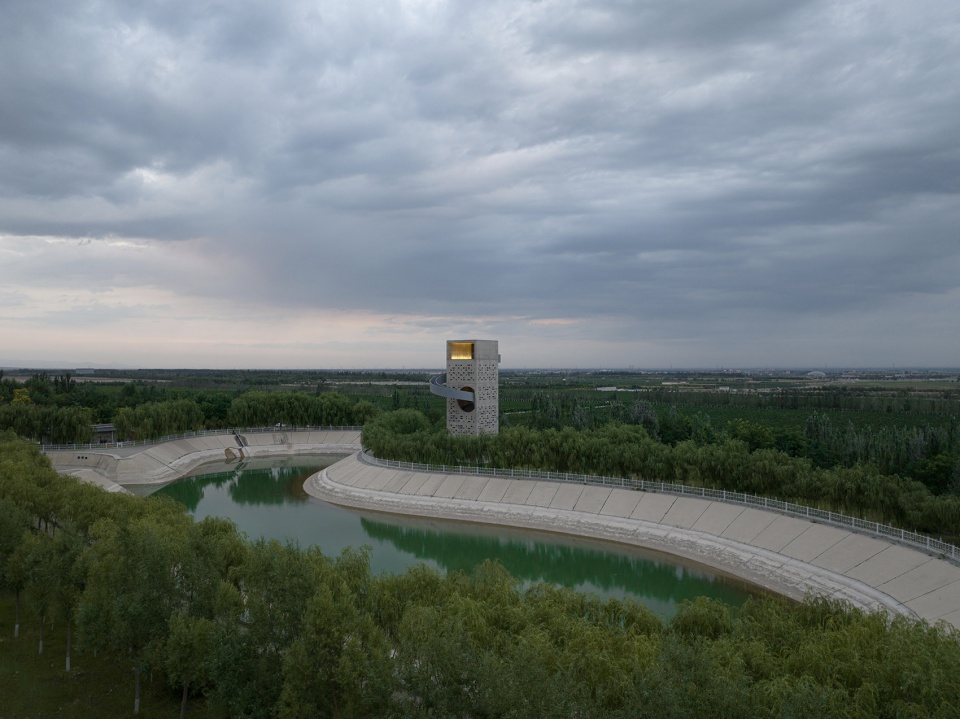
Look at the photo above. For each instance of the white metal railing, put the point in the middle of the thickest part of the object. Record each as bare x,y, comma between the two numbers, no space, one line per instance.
90,446
914,539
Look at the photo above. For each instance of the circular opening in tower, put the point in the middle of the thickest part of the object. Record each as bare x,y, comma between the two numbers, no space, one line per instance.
464,404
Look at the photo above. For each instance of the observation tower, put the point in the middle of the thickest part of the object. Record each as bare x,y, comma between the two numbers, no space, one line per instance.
471,386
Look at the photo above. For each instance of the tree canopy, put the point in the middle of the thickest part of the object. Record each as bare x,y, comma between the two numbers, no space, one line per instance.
266,629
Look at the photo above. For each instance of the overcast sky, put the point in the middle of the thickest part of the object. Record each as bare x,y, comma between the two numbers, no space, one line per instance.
191,183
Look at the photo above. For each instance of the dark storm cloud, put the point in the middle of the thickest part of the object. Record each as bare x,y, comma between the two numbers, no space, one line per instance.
665,167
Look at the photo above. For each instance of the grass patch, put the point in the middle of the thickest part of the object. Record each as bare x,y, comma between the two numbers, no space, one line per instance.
34,686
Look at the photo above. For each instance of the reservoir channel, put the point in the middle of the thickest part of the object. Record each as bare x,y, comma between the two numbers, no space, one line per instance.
265,498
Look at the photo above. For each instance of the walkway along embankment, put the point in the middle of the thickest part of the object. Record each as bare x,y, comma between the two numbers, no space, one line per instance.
787,555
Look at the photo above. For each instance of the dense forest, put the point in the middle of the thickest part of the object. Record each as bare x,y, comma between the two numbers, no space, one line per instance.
924,447
262,629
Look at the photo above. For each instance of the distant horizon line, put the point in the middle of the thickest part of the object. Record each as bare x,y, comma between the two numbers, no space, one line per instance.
87,367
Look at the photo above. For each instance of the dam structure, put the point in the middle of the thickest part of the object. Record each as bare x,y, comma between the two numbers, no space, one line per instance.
131,463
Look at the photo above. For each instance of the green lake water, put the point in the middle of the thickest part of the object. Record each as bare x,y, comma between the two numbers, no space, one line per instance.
266,498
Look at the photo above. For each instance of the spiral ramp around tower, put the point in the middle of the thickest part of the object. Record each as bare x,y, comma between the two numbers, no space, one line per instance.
438,385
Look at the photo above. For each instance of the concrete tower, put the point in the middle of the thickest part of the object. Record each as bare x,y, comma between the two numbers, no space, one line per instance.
471,387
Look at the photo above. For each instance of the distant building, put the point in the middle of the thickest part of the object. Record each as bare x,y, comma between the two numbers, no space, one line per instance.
471,386
816,374
104,434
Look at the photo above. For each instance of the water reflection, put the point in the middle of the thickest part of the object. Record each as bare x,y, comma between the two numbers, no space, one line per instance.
267,481
582,564
246,485
266,498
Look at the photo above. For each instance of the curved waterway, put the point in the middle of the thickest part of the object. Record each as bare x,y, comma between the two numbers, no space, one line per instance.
266,498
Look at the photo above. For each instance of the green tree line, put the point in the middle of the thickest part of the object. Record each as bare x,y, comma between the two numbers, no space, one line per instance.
628,451
155,419
258,409
62,425
840,399
270,630
834,398
910,434
929,453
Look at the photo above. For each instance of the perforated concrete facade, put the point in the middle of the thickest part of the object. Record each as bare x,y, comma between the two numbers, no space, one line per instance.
480,375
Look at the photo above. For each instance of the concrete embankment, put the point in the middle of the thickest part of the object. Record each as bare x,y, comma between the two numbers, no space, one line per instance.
789,556
111,468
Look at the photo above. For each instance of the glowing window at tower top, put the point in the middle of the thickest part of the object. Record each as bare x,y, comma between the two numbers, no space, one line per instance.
460,350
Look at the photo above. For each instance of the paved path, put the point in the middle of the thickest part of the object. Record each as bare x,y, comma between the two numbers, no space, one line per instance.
787,555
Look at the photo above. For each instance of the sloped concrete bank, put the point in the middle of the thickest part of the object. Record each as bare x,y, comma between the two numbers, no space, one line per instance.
157,464
789,556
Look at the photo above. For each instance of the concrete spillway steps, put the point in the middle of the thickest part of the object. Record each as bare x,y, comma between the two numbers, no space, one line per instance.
165,462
